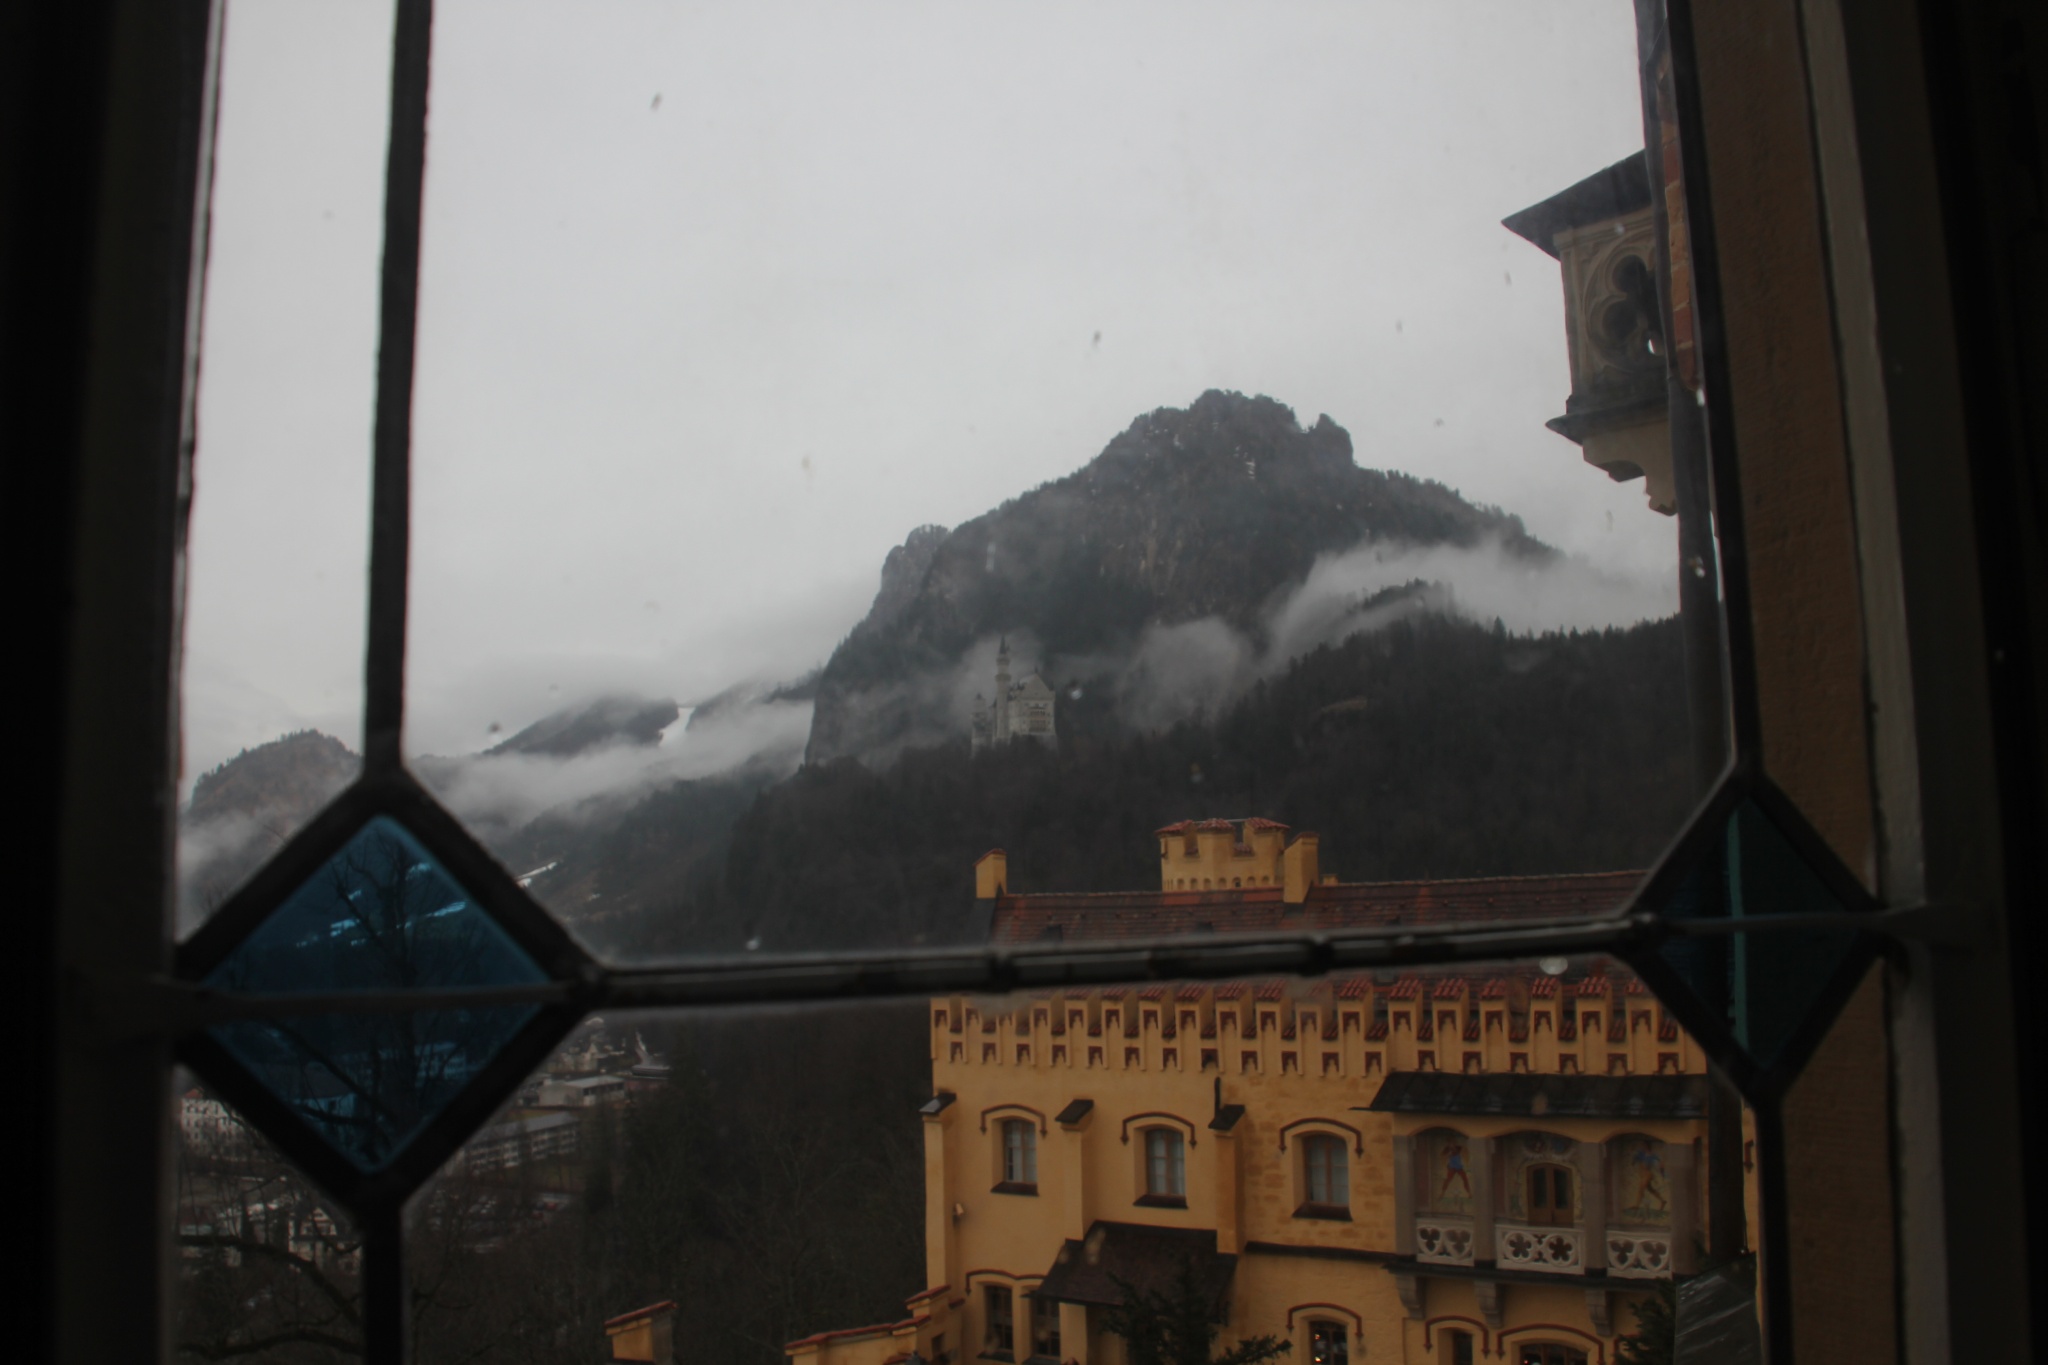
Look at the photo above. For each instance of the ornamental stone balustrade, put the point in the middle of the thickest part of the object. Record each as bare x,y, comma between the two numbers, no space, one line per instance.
1639,1255
1523,1246
1444,1241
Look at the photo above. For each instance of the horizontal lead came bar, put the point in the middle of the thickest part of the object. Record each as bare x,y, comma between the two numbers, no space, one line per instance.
176,1007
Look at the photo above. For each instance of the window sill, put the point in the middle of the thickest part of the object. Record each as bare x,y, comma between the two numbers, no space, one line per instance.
1014,1187
1162,1201
1335,1213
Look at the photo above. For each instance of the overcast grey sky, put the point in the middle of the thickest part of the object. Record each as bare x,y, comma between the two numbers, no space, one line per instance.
719,301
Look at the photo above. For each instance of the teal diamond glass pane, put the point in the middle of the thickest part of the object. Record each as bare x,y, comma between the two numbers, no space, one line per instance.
1766,986
380,915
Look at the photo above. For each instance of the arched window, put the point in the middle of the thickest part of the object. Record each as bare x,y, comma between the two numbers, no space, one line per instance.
1328,1344
1326,1171
1549,1193
1550,1353
1166,1164
1020,1152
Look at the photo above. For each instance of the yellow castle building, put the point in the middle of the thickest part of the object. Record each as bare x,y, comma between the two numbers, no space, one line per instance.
1447,1167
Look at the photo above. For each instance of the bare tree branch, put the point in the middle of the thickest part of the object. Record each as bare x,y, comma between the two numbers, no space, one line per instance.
303,1265
309,1336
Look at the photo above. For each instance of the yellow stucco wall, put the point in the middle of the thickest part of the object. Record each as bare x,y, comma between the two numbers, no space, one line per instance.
1221,854
1168,1056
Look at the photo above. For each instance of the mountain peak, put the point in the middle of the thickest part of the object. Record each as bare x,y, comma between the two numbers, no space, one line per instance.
1202,511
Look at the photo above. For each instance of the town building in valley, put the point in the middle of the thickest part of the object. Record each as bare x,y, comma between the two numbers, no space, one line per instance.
1445,1166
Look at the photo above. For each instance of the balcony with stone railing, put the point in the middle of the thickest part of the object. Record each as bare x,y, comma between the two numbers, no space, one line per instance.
1629,1253
1637,1255
1443,1241
1522,1246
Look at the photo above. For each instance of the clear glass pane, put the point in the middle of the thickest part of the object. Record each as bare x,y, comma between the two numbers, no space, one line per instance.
273,649
850,440
839,1185
268,1268
761,1171
381,915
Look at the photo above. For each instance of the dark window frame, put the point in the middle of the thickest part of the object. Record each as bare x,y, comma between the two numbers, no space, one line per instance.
999,1322
120,608
1165,1171
1325,1334
1327,1156
1045,1327
1544,1184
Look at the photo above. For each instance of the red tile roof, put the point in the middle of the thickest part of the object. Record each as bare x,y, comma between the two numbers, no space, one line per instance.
1336,906
665,1306
872,1329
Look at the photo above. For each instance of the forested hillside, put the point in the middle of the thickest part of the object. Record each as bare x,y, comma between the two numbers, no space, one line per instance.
1217,599
1432,748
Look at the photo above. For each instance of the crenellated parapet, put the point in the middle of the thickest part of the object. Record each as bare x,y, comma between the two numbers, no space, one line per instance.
1602,1022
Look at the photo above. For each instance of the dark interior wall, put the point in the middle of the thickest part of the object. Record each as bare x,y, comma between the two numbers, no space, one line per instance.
101,153
52,84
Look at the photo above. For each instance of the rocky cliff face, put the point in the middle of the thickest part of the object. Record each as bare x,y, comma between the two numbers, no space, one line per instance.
903,575
1190,513
244,810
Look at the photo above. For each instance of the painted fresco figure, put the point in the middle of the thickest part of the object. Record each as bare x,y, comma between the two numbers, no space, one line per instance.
1454,1169
1649,1168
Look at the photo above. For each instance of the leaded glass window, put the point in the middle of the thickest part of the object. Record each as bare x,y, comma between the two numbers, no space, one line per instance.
1552,871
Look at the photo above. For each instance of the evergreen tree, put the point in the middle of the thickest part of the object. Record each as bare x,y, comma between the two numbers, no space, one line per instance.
1655,1340
1178,1326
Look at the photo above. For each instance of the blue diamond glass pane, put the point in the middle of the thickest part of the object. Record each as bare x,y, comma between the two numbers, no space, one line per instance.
1766,986
380,915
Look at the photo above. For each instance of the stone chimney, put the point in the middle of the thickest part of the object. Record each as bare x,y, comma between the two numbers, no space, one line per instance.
1300,868
644,1334
991,875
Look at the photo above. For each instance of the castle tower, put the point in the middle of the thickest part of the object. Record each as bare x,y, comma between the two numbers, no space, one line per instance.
1021,710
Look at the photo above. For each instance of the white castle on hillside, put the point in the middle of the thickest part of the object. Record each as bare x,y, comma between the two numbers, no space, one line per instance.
1021,710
